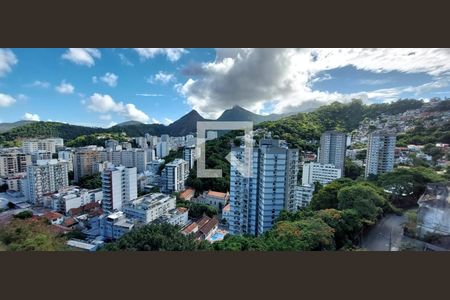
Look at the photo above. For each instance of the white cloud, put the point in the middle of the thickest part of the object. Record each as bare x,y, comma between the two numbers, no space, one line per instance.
282,78
162,77
6,100
111,124
7,60
167,121
41,84
150,95
155,121
31,117
106,104
109,78
82,56
65,88
172,54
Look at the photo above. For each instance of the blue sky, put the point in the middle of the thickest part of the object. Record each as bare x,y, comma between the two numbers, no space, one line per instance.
102,87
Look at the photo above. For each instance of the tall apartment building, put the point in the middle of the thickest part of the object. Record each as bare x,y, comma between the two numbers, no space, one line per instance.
50,144
119,184
83,161
189,156
111,144
380,153
174,176
322,173
129,158
256,201
14,162
44,177
162,149
41,155
332,149
66,155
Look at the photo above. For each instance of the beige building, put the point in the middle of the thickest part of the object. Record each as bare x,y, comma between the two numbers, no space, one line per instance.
12,163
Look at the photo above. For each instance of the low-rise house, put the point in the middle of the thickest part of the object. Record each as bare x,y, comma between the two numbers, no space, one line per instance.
187,194
54,218
114,225
203,229
177,217
72,197
215,199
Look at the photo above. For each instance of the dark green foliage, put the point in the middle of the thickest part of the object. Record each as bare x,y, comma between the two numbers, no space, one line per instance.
197,210
363,199
24,215
156,237
216,151
406,185
90,181
304,127
30,235
326,197
352,170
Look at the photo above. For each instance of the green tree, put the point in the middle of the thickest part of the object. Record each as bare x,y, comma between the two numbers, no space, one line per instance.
156,237
364,199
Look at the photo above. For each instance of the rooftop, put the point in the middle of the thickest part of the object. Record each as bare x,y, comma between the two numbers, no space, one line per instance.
217,194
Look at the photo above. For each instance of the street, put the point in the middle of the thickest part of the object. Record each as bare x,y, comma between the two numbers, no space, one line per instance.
386,235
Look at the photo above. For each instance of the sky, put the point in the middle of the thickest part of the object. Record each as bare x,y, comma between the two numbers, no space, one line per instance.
103,86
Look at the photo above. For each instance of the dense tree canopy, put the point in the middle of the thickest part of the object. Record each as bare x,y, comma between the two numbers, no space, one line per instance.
156,237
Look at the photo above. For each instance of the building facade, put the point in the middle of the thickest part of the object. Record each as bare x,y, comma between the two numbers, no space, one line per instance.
119,184
380,154
150,207
333,146
174,176
256,201
317,172
47,176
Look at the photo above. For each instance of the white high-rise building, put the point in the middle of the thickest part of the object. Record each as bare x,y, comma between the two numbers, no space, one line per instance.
189,156
66,155
46,176
119,184
380,154
174,176
332,149
50,145
256,201
322,173
162,149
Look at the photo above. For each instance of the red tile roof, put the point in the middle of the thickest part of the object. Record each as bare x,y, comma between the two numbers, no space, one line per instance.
51,215
187,193
190,228
217,194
